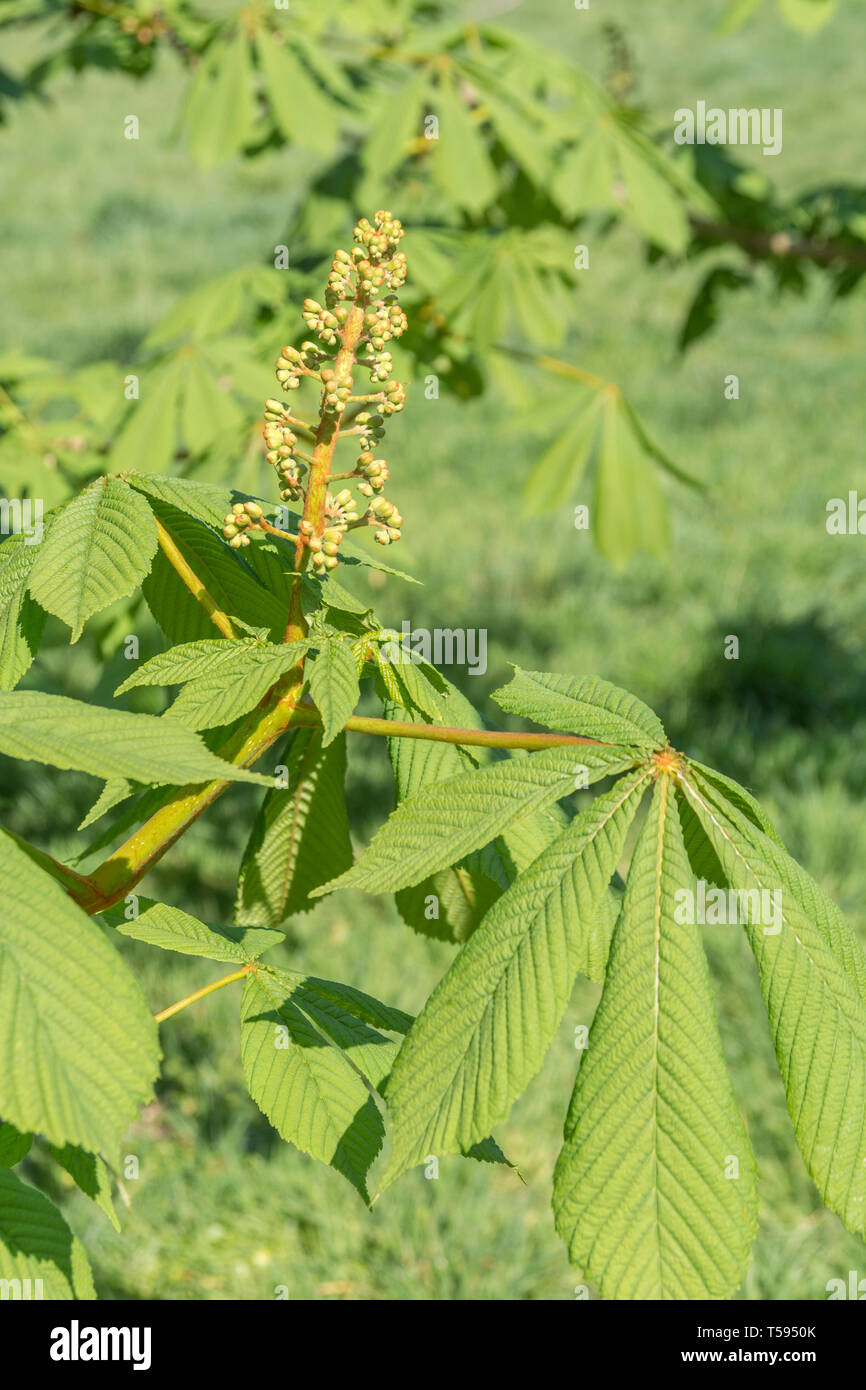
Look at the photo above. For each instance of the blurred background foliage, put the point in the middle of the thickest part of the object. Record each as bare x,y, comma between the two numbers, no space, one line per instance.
156,257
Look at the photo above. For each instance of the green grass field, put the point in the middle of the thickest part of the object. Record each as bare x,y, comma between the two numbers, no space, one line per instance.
100,236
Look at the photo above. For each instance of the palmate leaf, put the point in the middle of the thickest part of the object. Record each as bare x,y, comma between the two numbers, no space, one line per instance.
99,548
445,822
813,980
300,837
36,1243
584,705
78,1045
486,1028
655,1189
109,743
311,1063
21,619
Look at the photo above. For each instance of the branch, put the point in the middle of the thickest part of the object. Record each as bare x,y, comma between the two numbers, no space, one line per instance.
780,245
308,717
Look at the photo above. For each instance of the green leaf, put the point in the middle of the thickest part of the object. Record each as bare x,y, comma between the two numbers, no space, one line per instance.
629,511
305,113
90,1175
584,705
484,1032
556,474
645,1192
237,685
584,178
207,411
300,837
99,548
813,980
229,581
738,796
221,110
13,1144
794,882
305,1082
78,1045
807,16
37,1244
460,160
109,743
653,203
449,904
334,687
174,930
737,13
445,822
394,125
148,437
21,619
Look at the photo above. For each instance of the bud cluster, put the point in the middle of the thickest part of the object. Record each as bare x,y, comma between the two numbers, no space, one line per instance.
391,521
340,512
361,281
243,517
281,440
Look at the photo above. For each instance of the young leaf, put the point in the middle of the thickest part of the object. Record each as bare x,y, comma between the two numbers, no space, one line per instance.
300,837
90,1175
78,1045
484,1032
99,548
585,705
448,820
21,619
655,1189
334,686
109,742
37,1244
174,930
